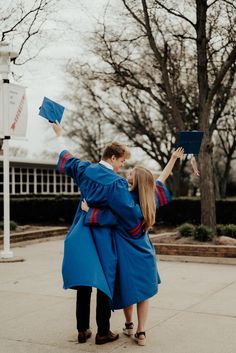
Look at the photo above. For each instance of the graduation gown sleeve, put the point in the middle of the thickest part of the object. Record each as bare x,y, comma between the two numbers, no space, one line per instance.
71,166
100,217
162,194
105,217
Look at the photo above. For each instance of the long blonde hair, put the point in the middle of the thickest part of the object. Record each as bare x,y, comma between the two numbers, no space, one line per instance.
144,183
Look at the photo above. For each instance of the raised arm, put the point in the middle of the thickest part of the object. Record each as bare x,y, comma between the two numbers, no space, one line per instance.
67,163
168,168
162,194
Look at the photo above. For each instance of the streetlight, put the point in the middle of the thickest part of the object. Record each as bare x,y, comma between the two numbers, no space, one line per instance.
5,58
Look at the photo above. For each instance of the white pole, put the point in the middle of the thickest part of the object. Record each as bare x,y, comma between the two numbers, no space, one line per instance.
5,55
6,253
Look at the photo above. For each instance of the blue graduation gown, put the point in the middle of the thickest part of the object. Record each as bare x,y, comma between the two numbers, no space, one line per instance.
137,276
90,256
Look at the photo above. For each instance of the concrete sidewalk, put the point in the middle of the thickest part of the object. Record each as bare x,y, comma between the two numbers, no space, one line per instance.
195,311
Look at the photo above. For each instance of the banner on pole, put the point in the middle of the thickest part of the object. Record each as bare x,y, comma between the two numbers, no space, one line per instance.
13,110
18,114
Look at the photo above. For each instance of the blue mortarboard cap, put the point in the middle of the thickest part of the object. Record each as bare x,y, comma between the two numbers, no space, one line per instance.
51,110
190,141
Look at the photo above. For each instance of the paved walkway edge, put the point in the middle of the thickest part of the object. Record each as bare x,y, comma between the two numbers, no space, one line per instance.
198,259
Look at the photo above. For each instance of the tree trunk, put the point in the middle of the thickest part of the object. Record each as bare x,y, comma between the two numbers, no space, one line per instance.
208,208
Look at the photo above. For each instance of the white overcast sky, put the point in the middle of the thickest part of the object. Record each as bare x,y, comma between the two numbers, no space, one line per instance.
45,75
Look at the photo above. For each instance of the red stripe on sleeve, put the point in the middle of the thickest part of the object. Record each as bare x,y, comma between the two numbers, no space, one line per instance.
91,217
64,159
163,195
159,196
61,164
95,215
136,230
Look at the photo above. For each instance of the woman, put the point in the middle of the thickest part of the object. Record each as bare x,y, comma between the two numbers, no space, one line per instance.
137,272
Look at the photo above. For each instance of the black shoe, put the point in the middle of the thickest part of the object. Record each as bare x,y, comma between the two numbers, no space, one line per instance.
84,335
110,337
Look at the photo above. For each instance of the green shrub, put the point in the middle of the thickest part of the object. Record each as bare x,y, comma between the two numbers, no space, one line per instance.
203,233
220,228
228,230
186,230
13,225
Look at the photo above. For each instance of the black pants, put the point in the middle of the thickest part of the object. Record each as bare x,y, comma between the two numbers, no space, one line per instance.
103,311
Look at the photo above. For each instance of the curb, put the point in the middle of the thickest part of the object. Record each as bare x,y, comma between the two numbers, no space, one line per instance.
11,260
198,259
166,252
221,251
36,234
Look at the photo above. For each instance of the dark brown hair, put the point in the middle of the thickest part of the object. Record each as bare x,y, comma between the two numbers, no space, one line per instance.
115,149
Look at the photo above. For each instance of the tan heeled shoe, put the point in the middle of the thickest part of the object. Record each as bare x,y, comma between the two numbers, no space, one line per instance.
140,341
128,330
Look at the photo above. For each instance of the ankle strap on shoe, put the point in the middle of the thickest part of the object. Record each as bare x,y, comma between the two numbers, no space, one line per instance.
129,325
141,333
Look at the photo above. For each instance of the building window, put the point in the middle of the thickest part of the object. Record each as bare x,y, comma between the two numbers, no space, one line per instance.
24,180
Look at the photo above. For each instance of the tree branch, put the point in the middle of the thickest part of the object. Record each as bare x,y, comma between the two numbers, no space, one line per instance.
230,3
133,14
163,63
175,13
211,4
13,28
221,74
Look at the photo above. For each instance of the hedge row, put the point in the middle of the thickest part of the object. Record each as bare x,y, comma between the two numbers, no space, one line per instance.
188,210
182,210
62,209
31,210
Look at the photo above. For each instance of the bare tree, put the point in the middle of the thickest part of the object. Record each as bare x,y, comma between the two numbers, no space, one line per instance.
21,22
86,124
98,117
204,32
176,61
225,151
211,40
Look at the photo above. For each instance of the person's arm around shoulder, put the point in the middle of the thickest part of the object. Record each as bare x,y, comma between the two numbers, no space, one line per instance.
102,217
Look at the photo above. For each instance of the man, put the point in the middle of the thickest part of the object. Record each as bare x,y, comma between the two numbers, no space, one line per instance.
82,267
